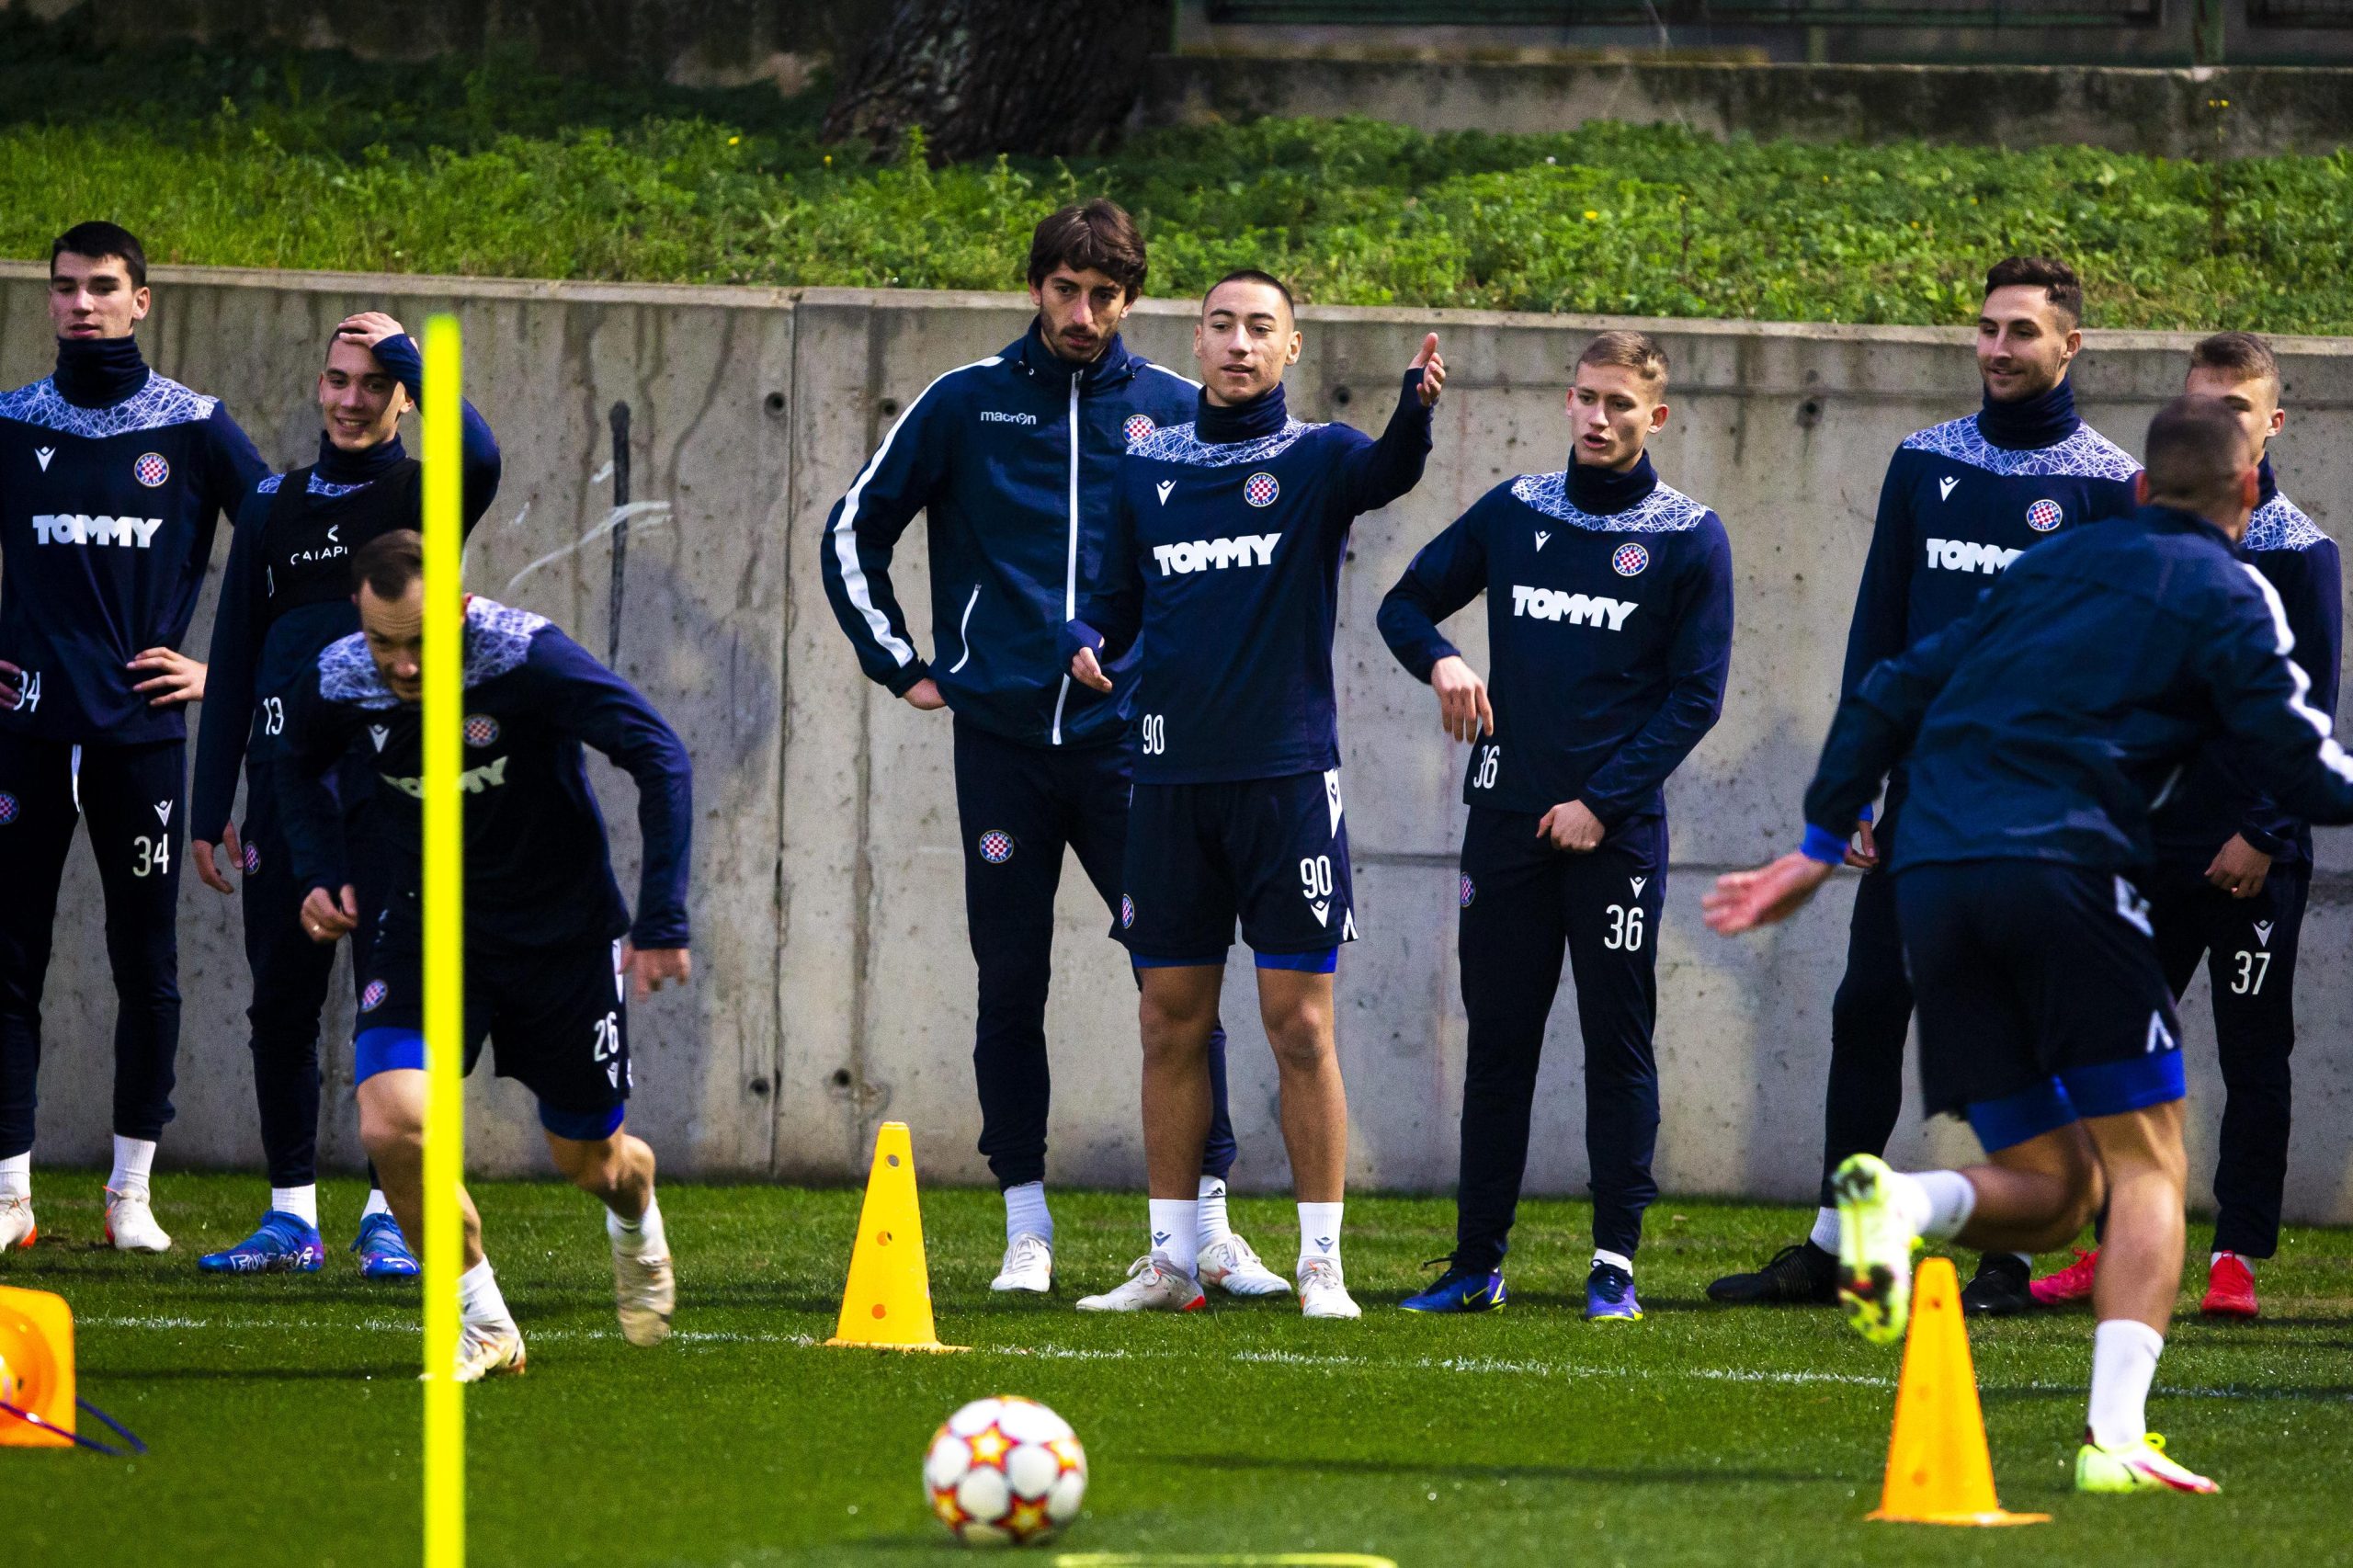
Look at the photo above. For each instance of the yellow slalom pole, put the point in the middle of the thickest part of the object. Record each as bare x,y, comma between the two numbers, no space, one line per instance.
445,952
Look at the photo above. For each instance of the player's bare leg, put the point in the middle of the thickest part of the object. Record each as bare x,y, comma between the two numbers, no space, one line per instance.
618,1171
1177,1010
392,1126
1296,1008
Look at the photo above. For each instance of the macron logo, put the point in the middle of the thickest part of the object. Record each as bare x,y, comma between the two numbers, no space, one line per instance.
991,417
1578,609
73,527
1200,554
1944,488
1961,555
1164,487
43,454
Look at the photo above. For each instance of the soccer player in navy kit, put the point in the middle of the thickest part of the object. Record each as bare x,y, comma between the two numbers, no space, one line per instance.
1222,569
1609,636
285,596
1961,500
112,480
2234,871
2040,731
550,949
1011,460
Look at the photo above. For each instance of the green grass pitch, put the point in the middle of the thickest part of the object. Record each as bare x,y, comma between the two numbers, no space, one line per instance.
284,1415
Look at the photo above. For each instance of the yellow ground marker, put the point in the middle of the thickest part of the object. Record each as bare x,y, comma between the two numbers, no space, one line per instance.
1938,1471
887,1305
445,947
36,1369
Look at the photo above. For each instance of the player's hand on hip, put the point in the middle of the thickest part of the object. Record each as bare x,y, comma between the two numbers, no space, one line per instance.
368,328
1862,850
924,696
1745,900
175,677
1087,670
1571,826
328,916
12,687
650,969
1432,366
1463,710
2239,868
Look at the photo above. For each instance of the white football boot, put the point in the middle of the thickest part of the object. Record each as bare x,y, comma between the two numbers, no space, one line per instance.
645,1292
1322,1292
1028,1265
489,1350
17,1227
1232,1265
1154,1285
130,1223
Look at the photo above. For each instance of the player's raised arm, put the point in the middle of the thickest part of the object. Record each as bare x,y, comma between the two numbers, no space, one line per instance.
1446,574
480,462
1373,475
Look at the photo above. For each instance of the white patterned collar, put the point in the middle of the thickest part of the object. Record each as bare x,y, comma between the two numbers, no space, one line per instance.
497,641
1665,510
162,402
314,486
1178,444
2280,524
2086,454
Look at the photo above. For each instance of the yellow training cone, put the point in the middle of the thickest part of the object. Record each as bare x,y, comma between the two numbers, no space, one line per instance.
1937,1469
36,1369
888,1303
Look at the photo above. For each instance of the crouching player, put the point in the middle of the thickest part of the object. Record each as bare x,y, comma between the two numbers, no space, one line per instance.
1227,537
547,965
2038,730
1609,650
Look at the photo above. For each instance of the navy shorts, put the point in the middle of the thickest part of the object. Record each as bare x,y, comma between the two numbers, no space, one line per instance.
1271,853
2041,997
557,1019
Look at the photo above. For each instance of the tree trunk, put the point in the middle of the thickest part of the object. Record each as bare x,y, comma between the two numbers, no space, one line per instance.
987,76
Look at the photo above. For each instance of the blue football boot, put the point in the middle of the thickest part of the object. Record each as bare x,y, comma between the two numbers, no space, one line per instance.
384,1251
1610,1296
286,1243
1460,1289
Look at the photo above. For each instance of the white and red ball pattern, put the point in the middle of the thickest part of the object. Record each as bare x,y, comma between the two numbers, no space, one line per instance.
1138,427
1003,1471
1260,490
2044,516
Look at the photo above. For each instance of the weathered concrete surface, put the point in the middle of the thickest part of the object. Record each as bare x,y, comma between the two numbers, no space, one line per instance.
833,981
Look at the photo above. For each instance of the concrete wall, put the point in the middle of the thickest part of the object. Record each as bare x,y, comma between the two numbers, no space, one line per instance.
833,982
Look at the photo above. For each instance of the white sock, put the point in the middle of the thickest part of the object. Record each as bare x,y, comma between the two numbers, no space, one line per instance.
1319,1231
376,1204
478,1298
302,1202
643,1238
1938,1203
16,1176
135,1162
1214,1227
1617,1260
2124,1362
1177,1232
1026,1213
1826,1230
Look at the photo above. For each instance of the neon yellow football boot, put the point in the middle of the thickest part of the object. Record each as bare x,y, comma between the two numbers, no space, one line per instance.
1875,1245
2141,1467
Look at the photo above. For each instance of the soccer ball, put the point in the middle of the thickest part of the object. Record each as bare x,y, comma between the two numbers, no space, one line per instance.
1003,1471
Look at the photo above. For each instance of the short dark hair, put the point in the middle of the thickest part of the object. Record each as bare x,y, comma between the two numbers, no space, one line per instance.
1096,235
388,564
2056,278
99,241
2240,354
1252,275
1635,351
2197,452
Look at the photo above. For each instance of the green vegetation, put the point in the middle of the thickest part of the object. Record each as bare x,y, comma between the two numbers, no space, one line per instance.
283,1413
317,161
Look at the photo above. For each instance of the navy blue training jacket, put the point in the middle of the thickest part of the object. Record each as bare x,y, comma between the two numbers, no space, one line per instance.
2044,725
1223,568
539,869
1011,459
1608,638
112,480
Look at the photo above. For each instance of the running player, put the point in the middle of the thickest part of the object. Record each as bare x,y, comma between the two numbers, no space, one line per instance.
1961,501
1609,665
2038,730
1011,459
287,594
112,480
1224,564
2234,870
547,965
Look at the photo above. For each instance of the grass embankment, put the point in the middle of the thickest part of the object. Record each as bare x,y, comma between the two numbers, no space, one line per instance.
317,161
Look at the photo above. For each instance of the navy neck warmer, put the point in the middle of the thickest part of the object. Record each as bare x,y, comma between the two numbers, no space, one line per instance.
98,372
339,466
1603,492
2271,485
2043,421
1262,415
